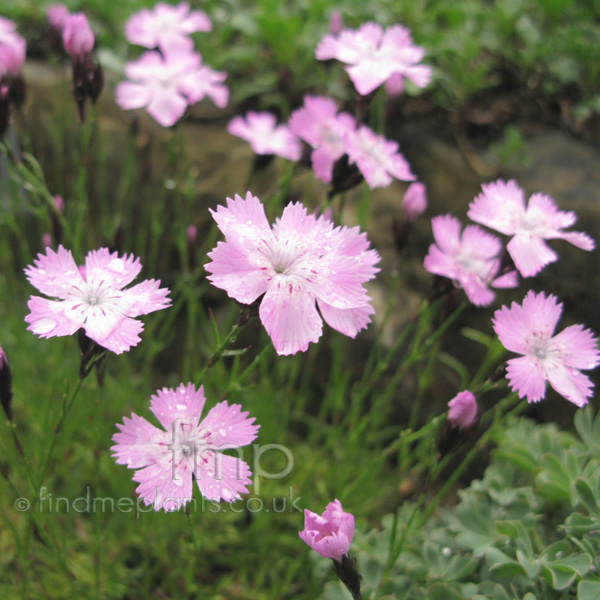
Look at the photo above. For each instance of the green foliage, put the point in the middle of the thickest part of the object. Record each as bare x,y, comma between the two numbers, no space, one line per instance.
527,529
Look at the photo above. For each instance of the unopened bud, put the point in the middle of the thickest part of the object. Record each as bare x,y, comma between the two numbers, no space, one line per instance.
415,200
463,410
336,22
57,16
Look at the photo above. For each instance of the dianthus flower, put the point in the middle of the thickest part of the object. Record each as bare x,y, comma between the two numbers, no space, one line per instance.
188,448
501,206
301,260
330,534
166,83
92,297
319,125
470,259
7,28
166,27
527,329
378,159
261,131
374,55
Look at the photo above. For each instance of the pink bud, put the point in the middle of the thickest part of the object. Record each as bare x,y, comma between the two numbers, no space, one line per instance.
329,535
415,200
57,15
192,233
336,22
12,54
394,86
78,38
463,410
47,240
59,203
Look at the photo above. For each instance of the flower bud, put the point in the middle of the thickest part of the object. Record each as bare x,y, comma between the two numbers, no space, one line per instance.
78,38
463,410
57,16
415,200
329,535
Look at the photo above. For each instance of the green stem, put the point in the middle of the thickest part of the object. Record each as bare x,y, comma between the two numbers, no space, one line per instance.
68,401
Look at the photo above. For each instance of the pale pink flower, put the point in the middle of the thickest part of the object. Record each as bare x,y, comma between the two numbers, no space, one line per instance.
12,55
7,28
188,446
374,55
166,83
166,27
329,534
261,131
57,15
78,37
414,201
463,410
92,297
527,329
378,159
319,125
470,259
302,261
501,206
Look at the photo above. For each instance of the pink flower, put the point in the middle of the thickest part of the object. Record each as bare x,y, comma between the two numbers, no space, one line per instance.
167,459
378,159
501,206
261,131
319,125
12,55
374,55
470,259
414,201
301,261
330,534
78,38
166,83
7,28
463,410
166,27
57,15
527,329
92,297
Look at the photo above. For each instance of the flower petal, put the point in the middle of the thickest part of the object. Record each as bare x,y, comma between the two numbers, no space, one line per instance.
289,315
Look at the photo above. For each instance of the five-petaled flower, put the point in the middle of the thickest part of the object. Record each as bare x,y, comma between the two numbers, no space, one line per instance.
301,261
188,448
166,83
501,206
330,534
374,55
527,329
470,259
166,27
92,297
